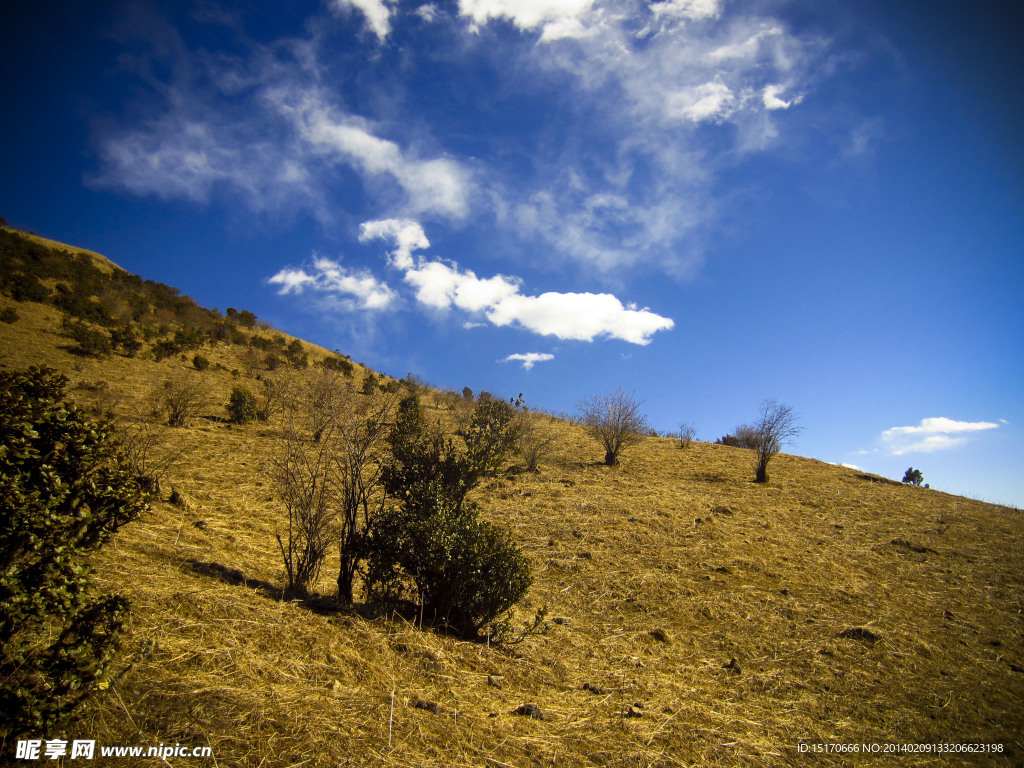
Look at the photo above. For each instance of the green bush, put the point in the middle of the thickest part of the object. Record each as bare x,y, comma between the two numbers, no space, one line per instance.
913,477
242,406
337,363
200,363
464,572
89,342
125,339
65,488
8,315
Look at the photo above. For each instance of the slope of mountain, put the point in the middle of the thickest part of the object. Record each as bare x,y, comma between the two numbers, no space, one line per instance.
693,617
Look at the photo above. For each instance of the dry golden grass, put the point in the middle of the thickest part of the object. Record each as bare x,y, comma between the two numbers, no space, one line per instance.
704,613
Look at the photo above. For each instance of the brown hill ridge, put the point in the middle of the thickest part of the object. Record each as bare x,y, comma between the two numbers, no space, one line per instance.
694,618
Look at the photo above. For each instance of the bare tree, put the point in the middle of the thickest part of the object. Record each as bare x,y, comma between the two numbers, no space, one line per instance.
304,477
775,427
687,434
535,438
183,396
358,431
327,471
614,420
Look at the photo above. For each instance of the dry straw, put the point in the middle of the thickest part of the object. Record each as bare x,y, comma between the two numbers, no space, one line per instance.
694,618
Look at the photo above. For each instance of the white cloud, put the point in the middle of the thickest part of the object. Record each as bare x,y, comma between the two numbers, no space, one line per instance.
525,14
359,288
709,101
378,13
428,12
771,100
688,9
577,316
407,235
932,434
529,359
439,186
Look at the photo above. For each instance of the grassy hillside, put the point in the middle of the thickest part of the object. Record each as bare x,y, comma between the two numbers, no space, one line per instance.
694,618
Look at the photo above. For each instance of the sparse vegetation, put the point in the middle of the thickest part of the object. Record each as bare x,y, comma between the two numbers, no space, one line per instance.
614,420
694,617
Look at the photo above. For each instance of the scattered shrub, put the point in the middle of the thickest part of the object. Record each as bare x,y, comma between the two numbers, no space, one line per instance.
776,426
242,407
8,315
65,488
200,363
465,572
125,340
296,355
337,363
913,477
89,342
182,398
687,435
614,420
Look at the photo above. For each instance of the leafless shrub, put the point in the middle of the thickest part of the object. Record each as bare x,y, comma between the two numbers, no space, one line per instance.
776,426
748,437
535,438
150,450
270,398
614,420
304,478
687,435
327,472
183,396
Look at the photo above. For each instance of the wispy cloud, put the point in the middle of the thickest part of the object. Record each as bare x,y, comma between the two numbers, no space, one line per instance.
444,285
265,129
529,359
276,125
356,289
932,434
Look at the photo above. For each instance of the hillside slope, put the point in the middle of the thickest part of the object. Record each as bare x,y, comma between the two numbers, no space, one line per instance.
693,616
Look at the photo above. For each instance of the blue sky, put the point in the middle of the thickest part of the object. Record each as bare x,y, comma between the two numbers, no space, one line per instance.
704,202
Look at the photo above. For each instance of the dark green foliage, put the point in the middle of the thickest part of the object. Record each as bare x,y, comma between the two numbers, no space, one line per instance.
65,488
87,292
730,440
200,363
467,393
126,340
465,572
189,338
89,342
242,407
8,315
164,348
296,354
245,317
370,384
77,302
332,363
913,477
21,287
